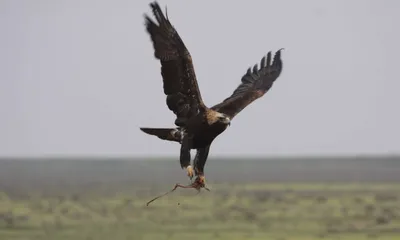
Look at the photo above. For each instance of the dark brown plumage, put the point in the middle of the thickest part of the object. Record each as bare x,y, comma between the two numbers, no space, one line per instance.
197,124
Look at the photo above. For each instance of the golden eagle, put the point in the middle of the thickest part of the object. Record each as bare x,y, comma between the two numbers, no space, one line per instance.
197,124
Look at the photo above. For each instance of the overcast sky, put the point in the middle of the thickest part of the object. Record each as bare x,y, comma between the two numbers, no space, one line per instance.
79,77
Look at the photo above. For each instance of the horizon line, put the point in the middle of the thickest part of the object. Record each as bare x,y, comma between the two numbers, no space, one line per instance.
222,157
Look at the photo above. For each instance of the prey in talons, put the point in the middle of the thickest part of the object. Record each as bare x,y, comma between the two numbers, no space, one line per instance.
198,184
200,180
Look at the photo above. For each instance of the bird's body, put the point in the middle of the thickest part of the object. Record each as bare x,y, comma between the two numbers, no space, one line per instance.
197,124
198,133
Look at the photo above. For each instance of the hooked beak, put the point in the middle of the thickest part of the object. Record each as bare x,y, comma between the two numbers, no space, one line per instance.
228,121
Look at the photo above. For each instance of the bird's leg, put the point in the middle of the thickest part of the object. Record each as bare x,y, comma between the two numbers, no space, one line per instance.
199,162
185,156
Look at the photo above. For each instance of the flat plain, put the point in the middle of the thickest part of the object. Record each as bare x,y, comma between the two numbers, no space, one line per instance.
271,198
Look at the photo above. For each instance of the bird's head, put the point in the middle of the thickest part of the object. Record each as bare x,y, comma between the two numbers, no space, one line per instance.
223,118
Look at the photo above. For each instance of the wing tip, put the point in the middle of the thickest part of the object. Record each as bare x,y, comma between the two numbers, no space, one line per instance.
277,62
157,11
279,52
154,4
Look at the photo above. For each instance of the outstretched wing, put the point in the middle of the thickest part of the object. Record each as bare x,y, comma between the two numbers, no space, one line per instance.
179,78
255,83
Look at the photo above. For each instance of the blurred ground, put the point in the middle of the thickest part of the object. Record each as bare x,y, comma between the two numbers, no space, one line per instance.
318,198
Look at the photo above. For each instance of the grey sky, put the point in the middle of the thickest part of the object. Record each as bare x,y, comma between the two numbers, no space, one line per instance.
79,77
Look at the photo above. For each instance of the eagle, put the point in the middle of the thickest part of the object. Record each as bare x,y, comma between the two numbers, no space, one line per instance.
197,125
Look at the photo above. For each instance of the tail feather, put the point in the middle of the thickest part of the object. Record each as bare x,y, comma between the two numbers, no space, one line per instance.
170,134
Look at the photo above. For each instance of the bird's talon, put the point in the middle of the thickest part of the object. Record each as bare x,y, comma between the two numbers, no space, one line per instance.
199,183
190,172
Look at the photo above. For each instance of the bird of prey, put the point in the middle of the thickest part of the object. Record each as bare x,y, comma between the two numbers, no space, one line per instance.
196,124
